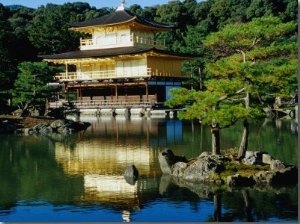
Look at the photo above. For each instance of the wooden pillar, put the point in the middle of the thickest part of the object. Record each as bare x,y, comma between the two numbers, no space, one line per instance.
46,104
111,94
147,91
77,94
116,91
67,71
80,91
66,92
67,95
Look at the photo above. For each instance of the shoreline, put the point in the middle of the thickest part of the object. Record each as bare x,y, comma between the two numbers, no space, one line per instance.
26,121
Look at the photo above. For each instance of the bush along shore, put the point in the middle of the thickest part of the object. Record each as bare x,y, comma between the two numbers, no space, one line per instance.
40,125
256,168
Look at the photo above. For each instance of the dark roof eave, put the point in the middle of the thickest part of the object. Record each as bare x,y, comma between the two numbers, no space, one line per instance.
112,53
102,53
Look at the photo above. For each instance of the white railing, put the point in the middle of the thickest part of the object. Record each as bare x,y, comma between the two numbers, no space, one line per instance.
112,42
113,74
80,104
113,104
149,42
101,75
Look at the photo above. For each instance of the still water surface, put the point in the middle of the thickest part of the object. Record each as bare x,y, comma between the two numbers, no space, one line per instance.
79,177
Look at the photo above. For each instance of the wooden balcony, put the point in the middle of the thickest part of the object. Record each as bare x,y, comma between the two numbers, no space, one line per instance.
110,74
132,40
99,75
98,102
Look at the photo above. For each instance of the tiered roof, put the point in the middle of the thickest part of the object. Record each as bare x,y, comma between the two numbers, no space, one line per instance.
119,17
113,52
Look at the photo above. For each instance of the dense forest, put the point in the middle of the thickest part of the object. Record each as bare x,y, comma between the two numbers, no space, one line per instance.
201,28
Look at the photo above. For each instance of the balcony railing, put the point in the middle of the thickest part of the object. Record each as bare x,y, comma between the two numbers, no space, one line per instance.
100,75
113,42
110,74
115,103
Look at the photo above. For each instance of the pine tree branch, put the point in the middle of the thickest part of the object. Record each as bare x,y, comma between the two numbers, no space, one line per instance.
230,95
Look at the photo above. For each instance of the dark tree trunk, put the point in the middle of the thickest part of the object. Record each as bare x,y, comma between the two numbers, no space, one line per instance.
215,136
244,143
24,109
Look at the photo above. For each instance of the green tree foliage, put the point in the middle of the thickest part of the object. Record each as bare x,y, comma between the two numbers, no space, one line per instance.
223,12
27,32
22,48
48,30
238,71
258,8
136,9
31,86
291,12
218,106
44,29
7,62
193,45
179,14
262,53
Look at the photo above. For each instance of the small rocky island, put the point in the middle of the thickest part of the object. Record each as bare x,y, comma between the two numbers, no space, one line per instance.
40,125
256,168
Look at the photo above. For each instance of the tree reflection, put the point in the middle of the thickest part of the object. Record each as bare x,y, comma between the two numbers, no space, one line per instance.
247,205
217,207
237,204
86,168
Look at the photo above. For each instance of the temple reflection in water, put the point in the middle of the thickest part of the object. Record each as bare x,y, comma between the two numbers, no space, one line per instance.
80,176
102,153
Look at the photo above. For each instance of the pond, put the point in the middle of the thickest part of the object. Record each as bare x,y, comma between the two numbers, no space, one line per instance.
79,177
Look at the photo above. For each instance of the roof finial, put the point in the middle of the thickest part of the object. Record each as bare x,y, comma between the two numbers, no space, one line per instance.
122,6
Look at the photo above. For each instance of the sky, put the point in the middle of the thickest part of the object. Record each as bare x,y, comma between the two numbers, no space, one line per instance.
97,3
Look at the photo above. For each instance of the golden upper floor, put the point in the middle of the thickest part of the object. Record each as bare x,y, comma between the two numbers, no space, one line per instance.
120,28
121,45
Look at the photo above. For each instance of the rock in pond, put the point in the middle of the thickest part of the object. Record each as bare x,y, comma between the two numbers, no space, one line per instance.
206,167
167,159
131,174
61,126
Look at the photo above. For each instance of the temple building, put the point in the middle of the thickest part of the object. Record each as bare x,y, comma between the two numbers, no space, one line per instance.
122,61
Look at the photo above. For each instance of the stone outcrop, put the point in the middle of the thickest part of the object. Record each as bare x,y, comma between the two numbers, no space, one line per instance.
17,113
61,126
200,169
206,168
259,157
167,159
